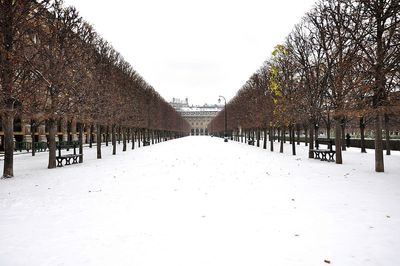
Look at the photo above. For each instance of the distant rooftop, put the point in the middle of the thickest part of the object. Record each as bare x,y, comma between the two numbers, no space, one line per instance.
183,106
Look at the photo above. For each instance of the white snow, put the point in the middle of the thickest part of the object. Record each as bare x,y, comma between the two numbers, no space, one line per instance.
199,201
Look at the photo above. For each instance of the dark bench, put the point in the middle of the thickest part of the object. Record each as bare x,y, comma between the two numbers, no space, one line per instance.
146,142
324,154
23,145
40,146
250,142
68,157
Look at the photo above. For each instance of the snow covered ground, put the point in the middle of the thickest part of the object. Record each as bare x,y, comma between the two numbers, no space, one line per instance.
200,201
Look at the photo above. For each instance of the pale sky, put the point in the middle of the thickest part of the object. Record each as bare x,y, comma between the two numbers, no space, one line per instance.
198,49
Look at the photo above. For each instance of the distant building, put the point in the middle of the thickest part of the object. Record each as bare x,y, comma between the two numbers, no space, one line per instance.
197,116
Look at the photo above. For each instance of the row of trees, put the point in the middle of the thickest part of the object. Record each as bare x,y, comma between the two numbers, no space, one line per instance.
341,62
54,65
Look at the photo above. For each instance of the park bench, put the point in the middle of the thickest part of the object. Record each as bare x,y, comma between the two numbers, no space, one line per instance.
40,146
250,142
23,145
146,142
67,157
323,153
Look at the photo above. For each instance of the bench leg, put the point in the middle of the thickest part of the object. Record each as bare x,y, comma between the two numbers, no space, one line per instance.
59,162
67,161
317,155
323,157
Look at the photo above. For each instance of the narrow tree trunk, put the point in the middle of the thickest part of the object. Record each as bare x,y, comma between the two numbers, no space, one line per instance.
379,164
133,139
328,130
107,135
343,132
258,137
91,137
265,139
338,141
293,141
362,133
306,137
119,135
139,137
80,139
298,134
311,141
271,138
8,127
113,139
387,134
52,143
123,139
282,134
33,129
98,130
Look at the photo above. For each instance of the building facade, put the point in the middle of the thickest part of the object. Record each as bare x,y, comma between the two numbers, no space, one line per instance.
197,116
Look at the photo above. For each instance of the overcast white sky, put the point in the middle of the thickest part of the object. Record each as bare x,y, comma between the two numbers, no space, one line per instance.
194,48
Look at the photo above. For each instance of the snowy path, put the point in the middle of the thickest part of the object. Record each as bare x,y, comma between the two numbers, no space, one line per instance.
199,201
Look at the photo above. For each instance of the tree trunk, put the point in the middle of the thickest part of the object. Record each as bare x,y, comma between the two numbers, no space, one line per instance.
311,141
293,141
33,129
52,143
123,139
265,139
98,130
387,134
6,77
91,136
328,130
113,140
80,139
258,137
362,132
343,133
8,127
271,138
119,135
306,137
107,135
282,137
133,139
379,164
338,141
298,134
139,137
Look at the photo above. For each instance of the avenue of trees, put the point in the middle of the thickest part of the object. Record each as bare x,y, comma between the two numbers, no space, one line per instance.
54,67
339,66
